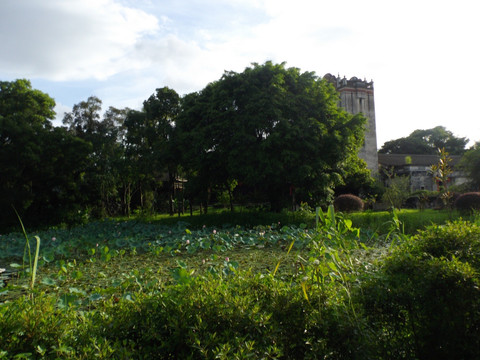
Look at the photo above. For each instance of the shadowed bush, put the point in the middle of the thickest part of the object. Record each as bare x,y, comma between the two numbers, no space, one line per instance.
348,203
468,202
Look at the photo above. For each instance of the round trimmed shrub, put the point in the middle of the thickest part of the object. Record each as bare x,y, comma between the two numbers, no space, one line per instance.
348,203
468,202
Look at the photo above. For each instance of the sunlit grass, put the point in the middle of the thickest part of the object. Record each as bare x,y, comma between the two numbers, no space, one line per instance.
413,220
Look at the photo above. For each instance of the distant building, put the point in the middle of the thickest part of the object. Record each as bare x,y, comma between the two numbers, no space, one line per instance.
356,96
417,167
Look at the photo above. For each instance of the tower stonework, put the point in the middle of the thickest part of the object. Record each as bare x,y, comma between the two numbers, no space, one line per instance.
356,96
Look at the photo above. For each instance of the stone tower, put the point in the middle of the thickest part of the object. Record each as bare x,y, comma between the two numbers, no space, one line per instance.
356,96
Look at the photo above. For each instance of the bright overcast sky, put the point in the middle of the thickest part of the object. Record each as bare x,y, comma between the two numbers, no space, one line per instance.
422,55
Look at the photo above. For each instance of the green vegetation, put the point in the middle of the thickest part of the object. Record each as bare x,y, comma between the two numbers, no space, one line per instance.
222,284
269,136
426,142
412,220
276,132
470,163
425,298
397,191
147,289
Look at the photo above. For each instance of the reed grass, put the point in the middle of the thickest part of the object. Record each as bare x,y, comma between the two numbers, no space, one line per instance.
413,220
32,268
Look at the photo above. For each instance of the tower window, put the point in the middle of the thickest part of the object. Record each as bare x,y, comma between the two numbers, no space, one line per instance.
361,105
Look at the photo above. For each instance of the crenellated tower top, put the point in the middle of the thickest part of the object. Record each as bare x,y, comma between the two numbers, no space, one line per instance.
353,82
357,96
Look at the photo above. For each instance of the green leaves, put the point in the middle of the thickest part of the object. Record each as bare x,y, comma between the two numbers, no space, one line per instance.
180,274
426,142
332,298
270,128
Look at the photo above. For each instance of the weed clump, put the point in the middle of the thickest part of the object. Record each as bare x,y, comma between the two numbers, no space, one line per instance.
348,203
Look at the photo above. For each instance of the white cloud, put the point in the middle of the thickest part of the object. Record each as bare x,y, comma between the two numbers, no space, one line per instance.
60,110
421,54
70,39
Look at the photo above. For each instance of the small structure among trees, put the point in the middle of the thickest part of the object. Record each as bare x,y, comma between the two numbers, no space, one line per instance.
419,170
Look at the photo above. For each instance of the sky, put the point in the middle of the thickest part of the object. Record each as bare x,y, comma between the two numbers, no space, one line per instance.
422,55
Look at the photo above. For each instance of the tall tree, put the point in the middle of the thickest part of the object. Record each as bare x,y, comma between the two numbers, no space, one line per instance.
113,125
148,142
470,163
272,129
426,142
84,119
25,116
60,180
41,165
101,178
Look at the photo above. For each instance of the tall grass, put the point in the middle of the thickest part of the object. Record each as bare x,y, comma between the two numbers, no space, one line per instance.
413,220
247,218
376,222
32,268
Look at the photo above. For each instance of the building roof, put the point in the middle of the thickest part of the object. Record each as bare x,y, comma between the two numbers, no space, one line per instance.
413,160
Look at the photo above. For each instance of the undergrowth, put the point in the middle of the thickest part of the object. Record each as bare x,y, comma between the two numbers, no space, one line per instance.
266,292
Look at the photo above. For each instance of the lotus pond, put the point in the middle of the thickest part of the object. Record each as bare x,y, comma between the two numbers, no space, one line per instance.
117,258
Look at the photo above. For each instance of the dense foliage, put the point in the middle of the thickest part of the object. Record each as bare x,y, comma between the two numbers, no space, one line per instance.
470,163
335,292
426,142
42,167
270,135
271,131
397,191
424,301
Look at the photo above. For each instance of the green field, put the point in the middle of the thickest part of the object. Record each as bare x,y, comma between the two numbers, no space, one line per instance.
257,286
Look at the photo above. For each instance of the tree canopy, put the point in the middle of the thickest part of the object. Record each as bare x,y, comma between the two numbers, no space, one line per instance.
271,129
268,135
426,142
41,165
149,146
470,163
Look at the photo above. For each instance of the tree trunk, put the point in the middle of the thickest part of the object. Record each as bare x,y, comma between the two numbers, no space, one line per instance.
171,188
230,198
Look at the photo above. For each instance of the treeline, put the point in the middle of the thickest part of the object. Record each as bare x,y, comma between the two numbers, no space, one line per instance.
269,135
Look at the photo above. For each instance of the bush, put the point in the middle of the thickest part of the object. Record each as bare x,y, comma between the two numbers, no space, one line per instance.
397,191
235,317
459,239
468,202
348,203
424,302
212,318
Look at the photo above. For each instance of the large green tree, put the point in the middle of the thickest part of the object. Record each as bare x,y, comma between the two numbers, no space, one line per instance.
25,116
426,142
100,185
41,166
273,130
148,144
470,163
